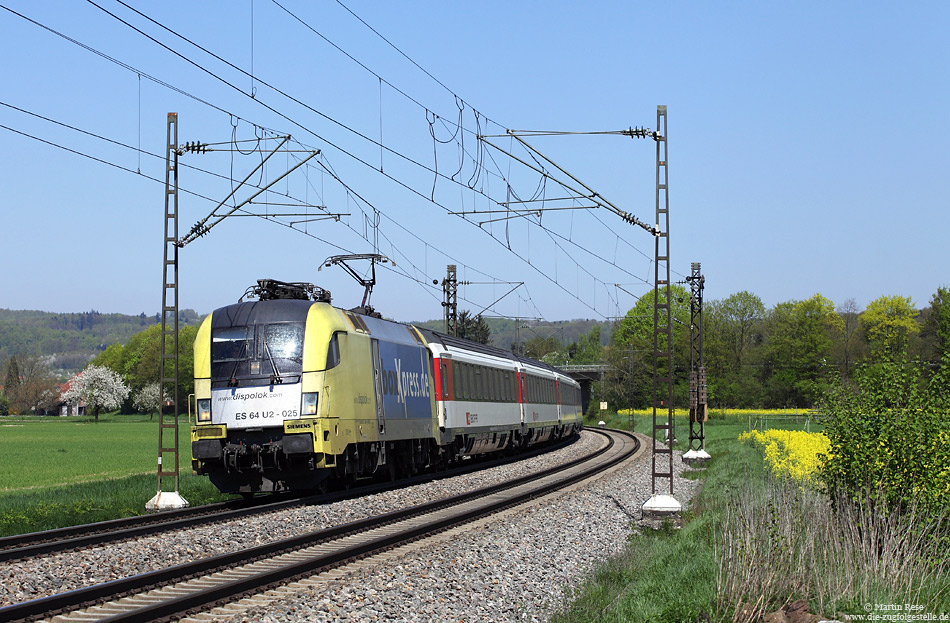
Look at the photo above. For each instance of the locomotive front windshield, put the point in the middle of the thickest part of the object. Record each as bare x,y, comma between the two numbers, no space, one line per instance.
229,344
257,350
283,341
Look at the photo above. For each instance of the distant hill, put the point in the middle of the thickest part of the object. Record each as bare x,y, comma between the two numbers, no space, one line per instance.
505,331
71,340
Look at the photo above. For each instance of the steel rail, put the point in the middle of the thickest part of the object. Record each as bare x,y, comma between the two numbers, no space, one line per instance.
71,601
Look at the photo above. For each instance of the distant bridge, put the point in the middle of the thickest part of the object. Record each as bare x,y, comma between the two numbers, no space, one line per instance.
586,375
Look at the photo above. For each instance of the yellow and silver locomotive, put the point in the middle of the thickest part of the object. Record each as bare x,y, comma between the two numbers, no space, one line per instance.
291,392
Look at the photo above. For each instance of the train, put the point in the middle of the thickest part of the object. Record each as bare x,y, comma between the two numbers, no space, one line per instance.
294,394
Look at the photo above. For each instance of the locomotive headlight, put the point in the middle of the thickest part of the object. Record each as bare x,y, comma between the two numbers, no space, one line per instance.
308,403
204,410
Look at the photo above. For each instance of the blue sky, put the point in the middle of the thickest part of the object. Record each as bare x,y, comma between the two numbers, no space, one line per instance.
808,149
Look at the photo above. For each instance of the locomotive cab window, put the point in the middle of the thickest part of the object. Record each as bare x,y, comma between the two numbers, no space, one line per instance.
283,341
229,344
333,352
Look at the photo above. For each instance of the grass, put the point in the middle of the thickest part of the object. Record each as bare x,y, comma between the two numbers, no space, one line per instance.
669,575
751,544
782,541
59,472
69,451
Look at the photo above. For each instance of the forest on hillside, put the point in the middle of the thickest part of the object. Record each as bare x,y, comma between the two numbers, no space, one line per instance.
788,355
68,341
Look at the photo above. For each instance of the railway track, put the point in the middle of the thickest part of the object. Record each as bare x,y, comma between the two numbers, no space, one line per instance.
25,546
177,591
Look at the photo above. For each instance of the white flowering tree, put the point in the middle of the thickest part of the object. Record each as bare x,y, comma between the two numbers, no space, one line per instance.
99,387
149,399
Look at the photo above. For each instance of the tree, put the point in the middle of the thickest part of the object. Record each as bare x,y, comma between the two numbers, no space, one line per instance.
37,391
112,357
637,325
138,361
149,399
888,437
473,328
628,381
544,348
741,313
11,383
889,321
936,330
732,337
848,346
588,348
799,340
99,387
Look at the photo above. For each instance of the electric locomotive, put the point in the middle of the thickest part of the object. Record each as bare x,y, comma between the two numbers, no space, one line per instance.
292,392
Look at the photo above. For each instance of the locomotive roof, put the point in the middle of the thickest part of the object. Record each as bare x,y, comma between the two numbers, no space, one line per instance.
251,312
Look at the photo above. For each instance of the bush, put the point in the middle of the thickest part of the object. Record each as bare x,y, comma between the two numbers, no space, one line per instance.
889,440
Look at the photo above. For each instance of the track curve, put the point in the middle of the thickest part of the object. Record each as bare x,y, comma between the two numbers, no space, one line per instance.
253,570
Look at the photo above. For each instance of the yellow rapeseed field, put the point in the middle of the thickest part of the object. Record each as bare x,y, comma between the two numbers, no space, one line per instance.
790,453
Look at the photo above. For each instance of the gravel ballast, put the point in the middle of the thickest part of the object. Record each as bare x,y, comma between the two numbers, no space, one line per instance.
512,568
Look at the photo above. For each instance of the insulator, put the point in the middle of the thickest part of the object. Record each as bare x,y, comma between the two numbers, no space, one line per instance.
195,147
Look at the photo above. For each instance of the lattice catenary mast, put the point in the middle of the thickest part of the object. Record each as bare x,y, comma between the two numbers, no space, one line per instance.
450,300
698,412
168,460
660,502
168,387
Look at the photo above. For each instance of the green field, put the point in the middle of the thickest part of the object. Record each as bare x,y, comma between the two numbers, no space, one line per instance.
46,452
64,471
58,471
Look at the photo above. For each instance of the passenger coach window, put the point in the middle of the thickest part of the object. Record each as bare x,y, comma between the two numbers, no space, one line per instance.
229,344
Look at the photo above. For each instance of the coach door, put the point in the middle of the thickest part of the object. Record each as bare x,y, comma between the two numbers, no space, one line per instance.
378,385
